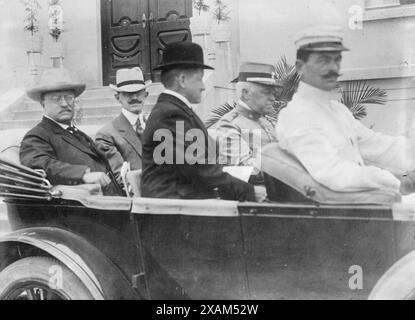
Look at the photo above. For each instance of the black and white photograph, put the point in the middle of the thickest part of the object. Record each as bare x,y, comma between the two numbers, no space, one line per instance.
223,151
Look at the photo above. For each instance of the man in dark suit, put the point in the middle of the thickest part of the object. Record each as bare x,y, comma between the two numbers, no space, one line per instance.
120,140
67,155
175,166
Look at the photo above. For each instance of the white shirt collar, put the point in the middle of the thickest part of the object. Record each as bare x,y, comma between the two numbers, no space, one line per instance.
178,96
62,125
316,94
131,117
244,105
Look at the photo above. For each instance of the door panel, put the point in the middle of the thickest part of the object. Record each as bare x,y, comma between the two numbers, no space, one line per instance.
170,22
124,37
308,252
196,257
135,32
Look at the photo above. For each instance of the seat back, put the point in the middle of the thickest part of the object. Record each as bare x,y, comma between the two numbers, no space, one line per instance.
281,165
11,154
131,180
134,181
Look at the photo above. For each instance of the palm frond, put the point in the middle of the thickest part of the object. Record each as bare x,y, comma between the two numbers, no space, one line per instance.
356,94
218,112
289,77
358,111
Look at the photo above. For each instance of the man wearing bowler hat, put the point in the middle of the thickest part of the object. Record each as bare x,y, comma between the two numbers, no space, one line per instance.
244,130
184,177
120,140
55,145
337,150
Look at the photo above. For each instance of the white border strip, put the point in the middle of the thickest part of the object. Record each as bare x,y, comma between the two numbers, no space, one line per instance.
206,208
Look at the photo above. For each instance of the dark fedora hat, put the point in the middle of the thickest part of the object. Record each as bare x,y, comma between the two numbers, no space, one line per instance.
184,54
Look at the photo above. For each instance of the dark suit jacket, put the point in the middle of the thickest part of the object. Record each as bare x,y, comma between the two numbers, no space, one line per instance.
186,181
62,156
119,142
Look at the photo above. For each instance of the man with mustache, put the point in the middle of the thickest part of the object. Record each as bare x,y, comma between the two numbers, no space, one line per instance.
337,150
120,140
55,145
243,131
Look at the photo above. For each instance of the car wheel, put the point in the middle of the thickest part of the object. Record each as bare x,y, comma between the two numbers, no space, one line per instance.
41,278
398,283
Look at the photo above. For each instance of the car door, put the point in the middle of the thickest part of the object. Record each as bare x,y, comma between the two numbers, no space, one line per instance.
309,251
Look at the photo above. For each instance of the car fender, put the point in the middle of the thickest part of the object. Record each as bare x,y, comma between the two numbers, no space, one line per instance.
96,271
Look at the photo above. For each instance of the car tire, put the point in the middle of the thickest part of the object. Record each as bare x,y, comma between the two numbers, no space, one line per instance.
41,278
398,283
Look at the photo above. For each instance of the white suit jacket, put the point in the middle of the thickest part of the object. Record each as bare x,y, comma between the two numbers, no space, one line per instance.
337,150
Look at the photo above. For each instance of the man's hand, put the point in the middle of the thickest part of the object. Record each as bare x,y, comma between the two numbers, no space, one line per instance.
408,183
96,177
260,193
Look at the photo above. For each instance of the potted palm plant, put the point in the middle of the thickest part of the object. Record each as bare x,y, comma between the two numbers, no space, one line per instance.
56,27
221,29
200,6
201,22
31,26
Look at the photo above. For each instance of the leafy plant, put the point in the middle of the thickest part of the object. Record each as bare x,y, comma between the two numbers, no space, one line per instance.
218,112
221,13
289,78
356,94
55,23
200,5
32,8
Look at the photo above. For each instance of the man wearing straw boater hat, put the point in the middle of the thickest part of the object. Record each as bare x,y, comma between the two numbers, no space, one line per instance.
55,145
120,139
179,171
337,150
244,130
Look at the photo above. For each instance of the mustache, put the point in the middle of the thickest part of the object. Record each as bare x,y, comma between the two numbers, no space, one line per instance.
331,74
135,102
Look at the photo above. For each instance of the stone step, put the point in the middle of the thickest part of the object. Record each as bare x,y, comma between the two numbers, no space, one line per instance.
112,109
108,93
95,111
30,123
98,104
90,103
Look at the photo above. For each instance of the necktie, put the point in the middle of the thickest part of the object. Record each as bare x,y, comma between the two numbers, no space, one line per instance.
139,128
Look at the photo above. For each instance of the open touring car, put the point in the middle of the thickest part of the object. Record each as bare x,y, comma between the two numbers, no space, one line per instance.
70,242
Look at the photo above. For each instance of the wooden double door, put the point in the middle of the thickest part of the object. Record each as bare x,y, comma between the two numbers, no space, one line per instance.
135,33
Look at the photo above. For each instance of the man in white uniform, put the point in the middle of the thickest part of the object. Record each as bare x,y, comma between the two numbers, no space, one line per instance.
337,150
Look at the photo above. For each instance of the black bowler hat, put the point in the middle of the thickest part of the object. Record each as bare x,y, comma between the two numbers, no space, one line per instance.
183,54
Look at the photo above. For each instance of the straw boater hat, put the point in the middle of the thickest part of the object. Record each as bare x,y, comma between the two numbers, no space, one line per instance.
320,38
130,80
260,73
183,54
56,79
